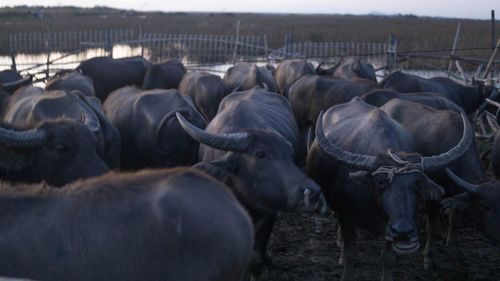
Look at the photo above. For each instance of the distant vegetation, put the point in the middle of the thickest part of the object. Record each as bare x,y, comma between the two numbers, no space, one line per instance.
413,33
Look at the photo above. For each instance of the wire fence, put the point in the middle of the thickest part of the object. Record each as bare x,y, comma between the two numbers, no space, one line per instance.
44,53
66,48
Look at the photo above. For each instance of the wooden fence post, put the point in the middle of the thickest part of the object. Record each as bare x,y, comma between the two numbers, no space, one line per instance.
391,54
49,47
141,41
455,42
235,49
492,61
493,39
12,38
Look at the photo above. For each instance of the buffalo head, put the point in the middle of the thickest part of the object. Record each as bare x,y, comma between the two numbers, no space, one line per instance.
485,205
259,168
394,181
58,152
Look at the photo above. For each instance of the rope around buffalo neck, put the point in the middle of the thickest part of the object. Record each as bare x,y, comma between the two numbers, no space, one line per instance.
406,168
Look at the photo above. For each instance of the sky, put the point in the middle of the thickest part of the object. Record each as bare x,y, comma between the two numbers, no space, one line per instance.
479,9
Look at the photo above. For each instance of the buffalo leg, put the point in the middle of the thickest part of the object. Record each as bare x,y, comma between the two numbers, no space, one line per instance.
387,262
433,228
263,227
451,238
348,249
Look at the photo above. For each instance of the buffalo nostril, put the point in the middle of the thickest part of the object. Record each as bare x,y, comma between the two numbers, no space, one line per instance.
401,228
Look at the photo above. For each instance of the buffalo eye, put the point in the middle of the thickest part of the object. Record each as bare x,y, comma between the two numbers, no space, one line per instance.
61,148
260,154
380,181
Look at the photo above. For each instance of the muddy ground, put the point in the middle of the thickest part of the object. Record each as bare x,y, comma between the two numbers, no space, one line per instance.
298,253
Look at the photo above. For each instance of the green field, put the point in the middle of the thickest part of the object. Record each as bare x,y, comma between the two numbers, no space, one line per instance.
413,33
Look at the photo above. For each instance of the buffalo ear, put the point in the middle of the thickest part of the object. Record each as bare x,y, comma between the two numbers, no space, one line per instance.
219,169
429,190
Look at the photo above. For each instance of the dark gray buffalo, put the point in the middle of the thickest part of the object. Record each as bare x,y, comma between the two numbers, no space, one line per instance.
484,202
249,146
11,80
244,76
350,69
166,75
153,225
312,94
290,71
469,98
380,97
206,90
56,151
435,132
366,165
30,105
150,133
110,74
71,81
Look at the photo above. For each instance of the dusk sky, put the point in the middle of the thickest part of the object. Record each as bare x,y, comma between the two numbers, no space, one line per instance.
480,9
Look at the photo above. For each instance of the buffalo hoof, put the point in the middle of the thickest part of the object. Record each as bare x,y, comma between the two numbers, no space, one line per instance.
346,277
387,277
256,277
341,261
429,264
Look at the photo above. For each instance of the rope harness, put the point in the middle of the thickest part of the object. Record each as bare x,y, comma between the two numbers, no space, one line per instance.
405,168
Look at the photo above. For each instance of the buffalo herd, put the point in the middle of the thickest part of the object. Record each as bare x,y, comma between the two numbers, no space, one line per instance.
122,169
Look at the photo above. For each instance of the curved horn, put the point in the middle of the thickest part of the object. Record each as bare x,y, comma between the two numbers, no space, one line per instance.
471,188
443,159
233,141
360,161
21,138
19,82
319,66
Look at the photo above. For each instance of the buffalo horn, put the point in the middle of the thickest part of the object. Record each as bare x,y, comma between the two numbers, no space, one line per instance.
471,188
360,161
232,142
21,138
438,161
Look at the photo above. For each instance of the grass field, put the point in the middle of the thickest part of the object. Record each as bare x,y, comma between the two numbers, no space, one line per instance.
413,33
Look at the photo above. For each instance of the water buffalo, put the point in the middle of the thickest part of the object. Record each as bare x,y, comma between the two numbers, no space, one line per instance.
350,69
150,133
312,94
484,202
380,97
249,146
173,225
435,132
244,76
110,74
57,151
289,71
366,165
166,75
30,105
70,81
206,90
469,98
11,80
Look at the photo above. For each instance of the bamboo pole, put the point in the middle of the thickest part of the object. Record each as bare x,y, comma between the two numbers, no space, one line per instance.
235,50
454,47
492,60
